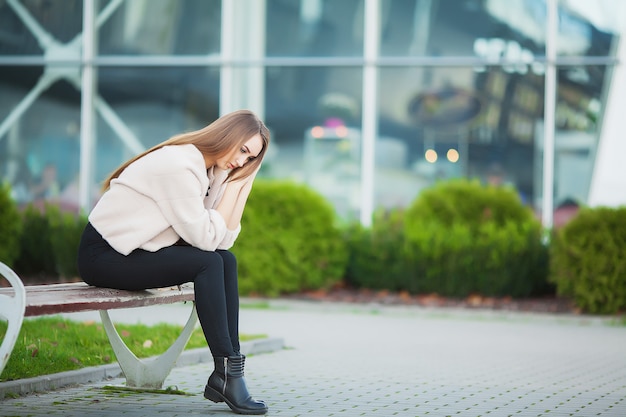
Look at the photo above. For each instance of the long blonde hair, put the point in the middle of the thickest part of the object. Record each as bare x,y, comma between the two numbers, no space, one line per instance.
215,140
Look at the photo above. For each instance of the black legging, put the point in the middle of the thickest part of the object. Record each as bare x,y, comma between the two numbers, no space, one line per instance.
214,275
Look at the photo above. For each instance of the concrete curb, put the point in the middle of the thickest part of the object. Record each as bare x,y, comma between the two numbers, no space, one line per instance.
52,382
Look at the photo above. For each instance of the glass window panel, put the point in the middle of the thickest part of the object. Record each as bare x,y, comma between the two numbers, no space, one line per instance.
162,27
151,105
15,83
306,28
578,120
61,20
314,116
40,147
510,29
590,28
441,123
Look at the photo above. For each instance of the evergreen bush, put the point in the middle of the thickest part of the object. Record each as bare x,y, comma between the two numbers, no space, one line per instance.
66,230
49,244
10,226
587,260
376,254
35,263
290,240
463,237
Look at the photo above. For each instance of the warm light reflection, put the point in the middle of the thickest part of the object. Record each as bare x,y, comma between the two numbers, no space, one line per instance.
453,155
317,132
341,131
431,155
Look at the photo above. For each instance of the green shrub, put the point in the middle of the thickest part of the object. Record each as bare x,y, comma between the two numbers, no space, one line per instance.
463,237
587,260
49,244
290,240
66,230
10,227
36,261
376,254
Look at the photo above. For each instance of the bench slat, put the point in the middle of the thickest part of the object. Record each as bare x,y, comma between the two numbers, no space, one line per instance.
78,296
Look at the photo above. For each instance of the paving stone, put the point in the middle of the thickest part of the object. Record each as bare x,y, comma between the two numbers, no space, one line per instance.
374,361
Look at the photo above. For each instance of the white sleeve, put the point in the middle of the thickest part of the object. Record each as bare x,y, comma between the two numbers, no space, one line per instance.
229,238
180,198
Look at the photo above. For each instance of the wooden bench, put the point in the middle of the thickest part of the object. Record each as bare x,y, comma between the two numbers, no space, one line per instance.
20,301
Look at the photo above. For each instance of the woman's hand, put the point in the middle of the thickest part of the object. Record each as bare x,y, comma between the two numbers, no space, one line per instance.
234,200
249,179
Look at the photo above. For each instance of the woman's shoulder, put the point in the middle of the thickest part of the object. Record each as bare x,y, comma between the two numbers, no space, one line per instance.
187,150
176,157
173,170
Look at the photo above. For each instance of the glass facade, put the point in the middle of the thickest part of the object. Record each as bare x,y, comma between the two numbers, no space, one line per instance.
466,28
320,28
368,101
161,27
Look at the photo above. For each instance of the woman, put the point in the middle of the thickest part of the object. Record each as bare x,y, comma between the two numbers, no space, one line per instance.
169,216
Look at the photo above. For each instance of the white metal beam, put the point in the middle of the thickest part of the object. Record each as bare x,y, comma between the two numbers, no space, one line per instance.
547,202
369,113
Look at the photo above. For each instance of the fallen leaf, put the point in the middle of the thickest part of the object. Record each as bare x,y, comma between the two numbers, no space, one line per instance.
125,333
429,299
404,296
147,344
34,353
318,294
489,302
76,361
474,300
382,293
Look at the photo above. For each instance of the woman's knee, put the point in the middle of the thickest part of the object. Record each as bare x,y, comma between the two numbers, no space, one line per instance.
228,257
211,260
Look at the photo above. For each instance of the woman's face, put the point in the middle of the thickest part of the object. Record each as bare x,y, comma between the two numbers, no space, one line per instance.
240,156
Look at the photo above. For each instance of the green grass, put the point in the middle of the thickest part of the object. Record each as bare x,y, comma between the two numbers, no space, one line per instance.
619,321
48,345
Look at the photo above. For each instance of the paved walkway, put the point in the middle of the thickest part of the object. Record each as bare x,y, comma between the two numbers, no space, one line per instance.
349,360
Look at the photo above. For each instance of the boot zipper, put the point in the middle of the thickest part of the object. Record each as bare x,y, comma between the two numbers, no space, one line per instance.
225,375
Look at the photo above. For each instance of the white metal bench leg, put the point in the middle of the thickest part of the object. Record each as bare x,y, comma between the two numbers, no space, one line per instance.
149,373
12,309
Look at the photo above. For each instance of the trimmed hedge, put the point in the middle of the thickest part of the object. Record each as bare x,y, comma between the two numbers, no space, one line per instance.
10,226
67,229
464,237
49,244
377,258
587,261
457,238
290,240
36,260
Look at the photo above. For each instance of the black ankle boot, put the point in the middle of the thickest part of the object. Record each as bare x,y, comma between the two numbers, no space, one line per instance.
226,383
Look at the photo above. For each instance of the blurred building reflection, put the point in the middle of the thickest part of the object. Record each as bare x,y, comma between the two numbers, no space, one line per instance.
459,87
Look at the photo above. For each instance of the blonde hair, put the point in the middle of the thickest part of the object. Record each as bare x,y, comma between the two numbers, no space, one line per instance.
214,141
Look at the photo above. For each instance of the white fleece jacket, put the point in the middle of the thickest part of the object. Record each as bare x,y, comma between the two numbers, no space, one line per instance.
162,197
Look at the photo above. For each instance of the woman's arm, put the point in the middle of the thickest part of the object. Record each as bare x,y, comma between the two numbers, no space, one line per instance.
234,200
242,199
